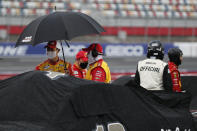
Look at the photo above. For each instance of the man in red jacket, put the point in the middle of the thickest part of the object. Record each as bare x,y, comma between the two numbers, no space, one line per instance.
80,65
175,58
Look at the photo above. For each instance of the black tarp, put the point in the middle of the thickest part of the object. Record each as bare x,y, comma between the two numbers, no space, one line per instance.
189,84
33,101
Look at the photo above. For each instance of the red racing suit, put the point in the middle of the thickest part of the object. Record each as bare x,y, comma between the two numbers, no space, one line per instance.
78,72
99,71
54,66
175,76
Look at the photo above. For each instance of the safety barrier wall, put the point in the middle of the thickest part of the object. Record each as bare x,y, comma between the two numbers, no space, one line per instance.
110,50
149,30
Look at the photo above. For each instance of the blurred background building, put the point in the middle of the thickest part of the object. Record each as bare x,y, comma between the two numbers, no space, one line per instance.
129,25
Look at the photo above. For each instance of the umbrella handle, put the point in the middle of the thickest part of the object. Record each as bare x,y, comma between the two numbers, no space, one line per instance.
66,70
67,44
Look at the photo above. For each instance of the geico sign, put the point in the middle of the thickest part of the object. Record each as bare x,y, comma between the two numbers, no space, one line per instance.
120,50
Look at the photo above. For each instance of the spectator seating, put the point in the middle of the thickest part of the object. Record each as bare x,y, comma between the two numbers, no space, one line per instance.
143,9
146,8
38,7
180,9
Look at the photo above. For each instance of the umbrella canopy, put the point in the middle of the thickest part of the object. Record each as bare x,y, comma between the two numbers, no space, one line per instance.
58,26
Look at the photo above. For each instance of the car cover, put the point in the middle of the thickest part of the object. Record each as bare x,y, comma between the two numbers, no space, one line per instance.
49,101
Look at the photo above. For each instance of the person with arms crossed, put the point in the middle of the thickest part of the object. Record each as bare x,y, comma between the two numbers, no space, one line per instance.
80,65
152,73
54,63
98,69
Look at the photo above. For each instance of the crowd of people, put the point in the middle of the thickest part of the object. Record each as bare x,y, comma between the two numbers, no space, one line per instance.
152,73
89,63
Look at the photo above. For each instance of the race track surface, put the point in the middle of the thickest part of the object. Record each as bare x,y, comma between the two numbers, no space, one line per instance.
126,64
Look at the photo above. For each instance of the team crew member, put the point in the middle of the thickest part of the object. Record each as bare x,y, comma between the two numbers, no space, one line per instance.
98,69
175,58
54,63
152,73
80,65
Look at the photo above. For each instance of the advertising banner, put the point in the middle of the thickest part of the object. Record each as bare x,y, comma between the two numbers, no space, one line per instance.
110,50
189,48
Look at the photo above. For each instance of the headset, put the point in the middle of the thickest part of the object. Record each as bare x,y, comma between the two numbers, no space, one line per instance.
95,52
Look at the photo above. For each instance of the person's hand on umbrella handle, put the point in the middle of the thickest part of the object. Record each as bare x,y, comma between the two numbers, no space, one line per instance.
66,70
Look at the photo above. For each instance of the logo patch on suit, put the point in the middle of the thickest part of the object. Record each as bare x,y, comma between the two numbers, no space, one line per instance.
61,64
175,75
75,72
46,67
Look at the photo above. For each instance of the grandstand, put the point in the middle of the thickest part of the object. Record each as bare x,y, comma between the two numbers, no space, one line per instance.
124,20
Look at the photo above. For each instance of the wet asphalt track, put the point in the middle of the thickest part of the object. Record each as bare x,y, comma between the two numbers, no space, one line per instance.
126,64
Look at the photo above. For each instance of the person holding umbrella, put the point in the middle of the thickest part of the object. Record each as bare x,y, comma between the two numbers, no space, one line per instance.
98,69
54,63
80,65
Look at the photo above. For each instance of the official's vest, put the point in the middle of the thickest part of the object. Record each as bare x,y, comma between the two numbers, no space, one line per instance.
151,73
102,64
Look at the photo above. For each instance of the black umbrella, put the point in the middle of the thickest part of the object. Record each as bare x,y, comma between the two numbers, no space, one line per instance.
58,26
